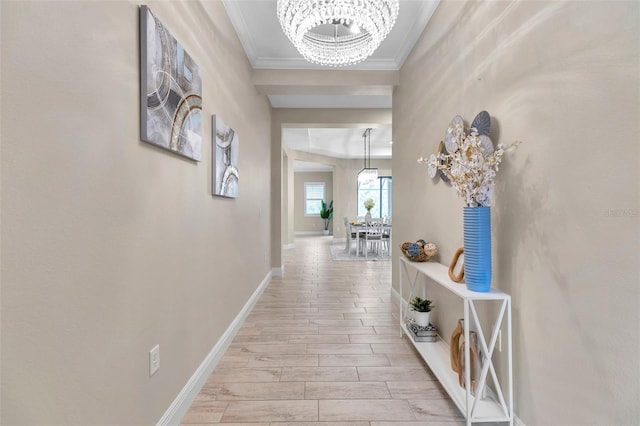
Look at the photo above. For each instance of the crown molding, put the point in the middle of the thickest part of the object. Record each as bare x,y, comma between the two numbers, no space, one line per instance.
426,12
242,29
302,64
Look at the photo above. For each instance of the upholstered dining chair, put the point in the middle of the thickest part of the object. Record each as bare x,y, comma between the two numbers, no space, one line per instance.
350,235
373,235
386,235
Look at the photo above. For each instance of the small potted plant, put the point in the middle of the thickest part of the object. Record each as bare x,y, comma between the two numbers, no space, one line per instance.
421,310
326,213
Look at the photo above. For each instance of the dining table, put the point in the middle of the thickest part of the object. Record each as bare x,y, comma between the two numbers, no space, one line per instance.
360,228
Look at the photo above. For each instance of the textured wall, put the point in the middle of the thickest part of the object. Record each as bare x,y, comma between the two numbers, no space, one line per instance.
564,77
110,245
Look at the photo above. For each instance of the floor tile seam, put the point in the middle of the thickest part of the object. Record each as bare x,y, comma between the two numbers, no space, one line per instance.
269,400
347,420
223,413
361,399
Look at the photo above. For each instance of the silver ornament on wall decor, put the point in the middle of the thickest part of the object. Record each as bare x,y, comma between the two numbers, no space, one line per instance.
482,123
454,135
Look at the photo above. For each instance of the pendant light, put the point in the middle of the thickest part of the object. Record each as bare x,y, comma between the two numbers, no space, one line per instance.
368,174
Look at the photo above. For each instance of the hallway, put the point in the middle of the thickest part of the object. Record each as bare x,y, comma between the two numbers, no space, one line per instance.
322,345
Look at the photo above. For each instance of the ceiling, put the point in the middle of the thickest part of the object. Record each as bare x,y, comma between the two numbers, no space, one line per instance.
268,49
345,143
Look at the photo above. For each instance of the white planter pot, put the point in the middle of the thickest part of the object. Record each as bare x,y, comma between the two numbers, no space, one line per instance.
325,232
421,318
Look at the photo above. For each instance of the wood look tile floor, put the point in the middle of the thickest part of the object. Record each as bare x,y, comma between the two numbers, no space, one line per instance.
322,347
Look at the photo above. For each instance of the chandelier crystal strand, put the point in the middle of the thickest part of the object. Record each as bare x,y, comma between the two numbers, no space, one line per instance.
301,19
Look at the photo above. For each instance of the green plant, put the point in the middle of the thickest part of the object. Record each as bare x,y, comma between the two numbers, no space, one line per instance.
326,213
421,305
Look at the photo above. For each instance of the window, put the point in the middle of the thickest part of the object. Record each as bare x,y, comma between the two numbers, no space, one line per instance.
380,192
313,197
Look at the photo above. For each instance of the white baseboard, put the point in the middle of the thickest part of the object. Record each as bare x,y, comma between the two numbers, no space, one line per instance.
339,240
308,233
288,246
278,272
396,297
185,398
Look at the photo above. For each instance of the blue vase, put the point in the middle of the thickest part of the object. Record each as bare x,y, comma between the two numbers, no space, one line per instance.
477,248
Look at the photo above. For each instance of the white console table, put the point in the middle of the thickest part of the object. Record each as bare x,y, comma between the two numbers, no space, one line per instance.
494,407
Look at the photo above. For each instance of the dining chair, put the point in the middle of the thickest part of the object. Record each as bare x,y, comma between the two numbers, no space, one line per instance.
386,239
349,234
373,235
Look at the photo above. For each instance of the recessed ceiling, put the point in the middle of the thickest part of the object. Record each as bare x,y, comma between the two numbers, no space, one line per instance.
266,45
269,50
346,143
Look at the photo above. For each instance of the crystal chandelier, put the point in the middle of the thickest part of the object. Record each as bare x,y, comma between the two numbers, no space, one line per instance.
337,32
367,174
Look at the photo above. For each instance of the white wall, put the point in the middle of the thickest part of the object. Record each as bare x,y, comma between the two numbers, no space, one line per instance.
564,77
110,245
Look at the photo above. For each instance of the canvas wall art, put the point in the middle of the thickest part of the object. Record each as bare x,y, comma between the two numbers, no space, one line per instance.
171,91
225,159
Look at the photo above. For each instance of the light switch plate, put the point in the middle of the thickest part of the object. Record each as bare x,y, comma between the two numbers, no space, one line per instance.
154,360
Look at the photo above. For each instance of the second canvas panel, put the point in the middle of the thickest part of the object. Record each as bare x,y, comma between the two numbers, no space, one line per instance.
225,159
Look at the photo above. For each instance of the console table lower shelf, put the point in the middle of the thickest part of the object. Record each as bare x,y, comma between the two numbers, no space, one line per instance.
436,355
496,405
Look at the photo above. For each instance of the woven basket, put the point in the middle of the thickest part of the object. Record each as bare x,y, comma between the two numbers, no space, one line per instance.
422,256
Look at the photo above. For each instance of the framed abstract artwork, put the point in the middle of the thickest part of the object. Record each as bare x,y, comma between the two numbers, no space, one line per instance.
170,91
225,159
